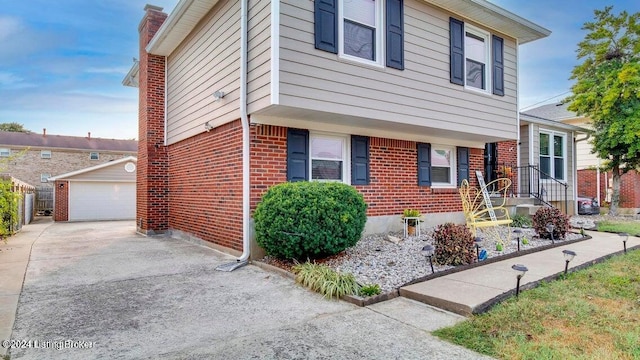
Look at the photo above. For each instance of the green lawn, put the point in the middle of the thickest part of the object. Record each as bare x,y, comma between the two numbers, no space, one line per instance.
630,227
592,314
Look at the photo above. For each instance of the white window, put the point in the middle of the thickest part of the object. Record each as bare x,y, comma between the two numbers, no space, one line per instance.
45,154
44,177
94,156
360,30
553,155
5,152
476,50
329,157
443,165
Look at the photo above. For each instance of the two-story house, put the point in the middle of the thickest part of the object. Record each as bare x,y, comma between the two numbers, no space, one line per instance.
397,98
591,181
35,157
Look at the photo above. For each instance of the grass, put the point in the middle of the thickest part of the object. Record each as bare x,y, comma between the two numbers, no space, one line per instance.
632,228
591,314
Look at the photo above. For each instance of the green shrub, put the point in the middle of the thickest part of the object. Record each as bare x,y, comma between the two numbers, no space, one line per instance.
370,290
520,220
546,215
325,280
8,209
304,220
454,245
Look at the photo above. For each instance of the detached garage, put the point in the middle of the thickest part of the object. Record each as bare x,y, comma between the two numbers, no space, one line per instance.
102,192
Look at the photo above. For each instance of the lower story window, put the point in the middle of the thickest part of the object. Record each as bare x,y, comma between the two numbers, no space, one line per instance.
328,157
552,155
443,165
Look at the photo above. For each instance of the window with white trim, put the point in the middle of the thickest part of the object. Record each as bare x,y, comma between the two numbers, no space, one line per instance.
44,177
328,155
553,155
360,30
94,156
5,152
45,154
443,165
476,50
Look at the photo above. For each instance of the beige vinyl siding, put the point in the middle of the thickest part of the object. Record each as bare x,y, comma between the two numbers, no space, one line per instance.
110,173
207,61
259,56
524,145
420,95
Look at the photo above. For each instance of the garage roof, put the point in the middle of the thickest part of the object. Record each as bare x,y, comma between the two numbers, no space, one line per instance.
94,168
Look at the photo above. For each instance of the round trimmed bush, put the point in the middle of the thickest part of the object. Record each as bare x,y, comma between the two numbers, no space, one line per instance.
312,220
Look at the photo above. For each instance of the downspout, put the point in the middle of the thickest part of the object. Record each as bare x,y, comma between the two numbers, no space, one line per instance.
517,191
246,177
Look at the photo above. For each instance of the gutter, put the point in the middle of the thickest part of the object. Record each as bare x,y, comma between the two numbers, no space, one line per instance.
244,119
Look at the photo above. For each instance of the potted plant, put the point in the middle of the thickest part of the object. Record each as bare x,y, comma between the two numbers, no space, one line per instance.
412,221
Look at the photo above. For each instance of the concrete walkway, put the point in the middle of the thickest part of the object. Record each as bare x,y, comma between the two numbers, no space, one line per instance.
98,290
14,258
476,289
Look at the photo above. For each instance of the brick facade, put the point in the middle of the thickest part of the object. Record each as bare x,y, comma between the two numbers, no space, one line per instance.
61,205
629,187
508,156
30,166
152,170
205,186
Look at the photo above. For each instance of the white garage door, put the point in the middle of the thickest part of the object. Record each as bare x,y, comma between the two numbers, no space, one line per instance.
102,201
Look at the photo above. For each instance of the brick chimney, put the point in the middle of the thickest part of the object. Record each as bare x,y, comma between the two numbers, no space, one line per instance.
151,177
44,132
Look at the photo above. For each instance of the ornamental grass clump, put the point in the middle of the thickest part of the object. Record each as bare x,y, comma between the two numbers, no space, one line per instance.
309,220
454,245
324,280
550,215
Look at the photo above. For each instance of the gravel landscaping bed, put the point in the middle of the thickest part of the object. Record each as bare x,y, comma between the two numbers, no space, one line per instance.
377,260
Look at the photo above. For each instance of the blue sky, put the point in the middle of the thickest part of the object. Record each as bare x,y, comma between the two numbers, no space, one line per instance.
62,62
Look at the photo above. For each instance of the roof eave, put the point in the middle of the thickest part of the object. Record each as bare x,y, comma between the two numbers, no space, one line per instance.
497,18
552,123
93,168
131,79
179,24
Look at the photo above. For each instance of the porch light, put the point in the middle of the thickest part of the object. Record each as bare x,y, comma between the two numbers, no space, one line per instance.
427,251
568,256
624,237
550,228
518,233
520,271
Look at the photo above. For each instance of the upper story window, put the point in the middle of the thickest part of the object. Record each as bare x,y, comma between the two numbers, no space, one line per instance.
552,155
94,156
476,58
367,31
45,154
5,152
360,23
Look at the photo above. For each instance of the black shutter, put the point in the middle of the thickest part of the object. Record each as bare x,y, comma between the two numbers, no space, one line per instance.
456,44
424,164
395,34
297,155
359,160
463,164
498,65
326,25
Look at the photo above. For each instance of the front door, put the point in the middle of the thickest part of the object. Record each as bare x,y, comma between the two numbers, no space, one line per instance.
490,161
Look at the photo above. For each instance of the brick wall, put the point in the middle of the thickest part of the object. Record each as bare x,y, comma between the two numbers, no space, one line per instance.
61,203
205,185
393,171
508,156
152,169
630,190
30,165
629,187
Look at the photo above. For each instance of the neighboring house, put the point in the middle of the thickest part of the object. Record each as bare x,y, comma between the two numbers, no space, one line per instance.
591,182
101,192
397,98
47,155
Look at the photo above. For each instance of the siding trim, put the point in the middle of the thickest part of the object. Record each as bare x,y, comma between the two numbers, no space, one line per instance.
275,52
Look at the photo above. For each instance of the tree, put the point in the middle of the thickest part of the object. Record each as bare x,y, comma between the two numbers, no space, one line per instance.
13,127
607,90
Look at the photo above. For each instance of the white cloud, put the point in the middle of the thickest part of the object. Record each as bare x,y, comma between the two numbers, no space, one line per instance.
8,27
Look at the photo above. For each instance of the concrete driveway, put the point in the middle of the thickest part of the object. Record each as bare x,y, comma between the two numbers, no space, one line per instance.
101,286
